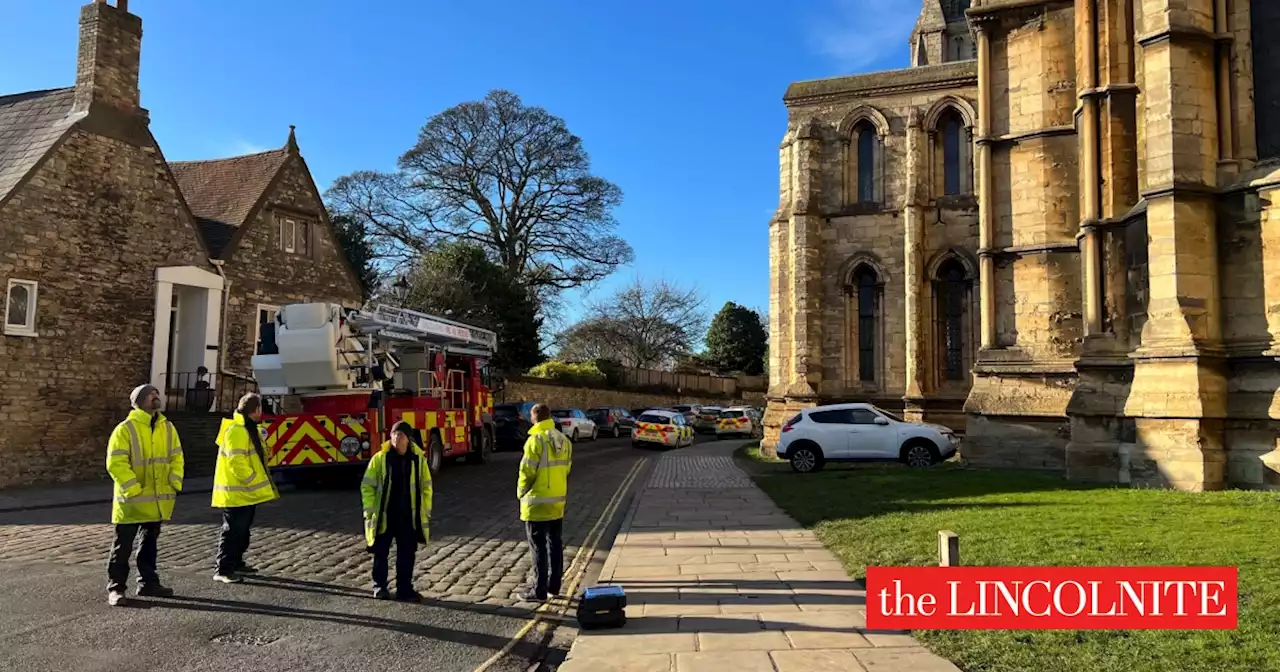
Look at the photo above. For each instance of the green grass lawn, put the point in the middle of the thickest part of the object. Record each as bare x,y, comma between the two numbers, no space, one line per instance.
889,515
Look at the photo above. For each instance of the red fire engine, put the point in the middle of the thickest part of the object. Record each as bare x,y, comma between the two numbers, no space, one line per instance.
343,377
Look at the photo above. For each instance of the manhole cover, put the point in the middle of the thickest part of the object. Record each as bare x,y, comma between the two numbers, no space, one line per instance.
244,638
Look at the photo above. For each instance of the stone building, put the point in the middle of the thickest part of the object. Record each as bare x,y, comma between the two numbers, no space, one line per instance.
120,268
1114,259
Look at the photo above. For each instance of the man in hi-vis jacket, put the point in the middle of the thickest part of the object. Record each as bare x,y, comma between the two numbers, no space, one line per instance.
542,489
144,459
396,498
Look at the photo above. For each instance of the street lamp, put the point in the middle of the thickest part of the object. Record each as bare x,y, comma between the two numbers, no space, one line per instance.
400,289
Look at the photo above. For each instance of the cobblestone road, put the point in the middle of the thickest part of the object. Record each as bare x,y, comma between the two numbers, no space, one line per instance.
477,553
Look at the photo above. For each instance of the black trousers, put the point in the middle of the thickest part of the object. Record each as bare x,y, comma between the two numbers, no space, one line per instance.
406,553
548,555
122,548
234,539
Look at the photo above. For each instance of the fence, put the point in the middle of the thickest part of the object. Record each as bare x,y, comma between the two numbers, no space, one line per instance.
205,392
690,382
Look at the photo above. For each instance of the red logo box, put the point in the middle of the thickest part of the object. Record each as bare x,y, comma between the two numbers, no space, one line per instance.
1052,598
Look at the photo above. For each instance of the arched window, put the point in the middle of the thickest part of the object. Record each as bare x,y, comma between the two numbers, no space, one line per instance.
953,156
951,289
866,162
951,129
867,284
1265,22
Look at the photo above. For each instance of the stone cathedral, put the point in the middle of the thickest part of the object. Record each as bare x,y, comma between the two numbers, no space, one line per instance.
1058,231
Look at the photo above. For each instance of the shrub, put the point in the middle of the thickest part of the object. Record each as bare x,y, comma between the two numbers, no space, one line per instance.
586,373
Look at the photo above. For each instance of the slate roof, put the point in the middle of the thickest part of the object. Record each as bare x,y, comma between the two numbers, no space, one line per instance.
31,124
221,193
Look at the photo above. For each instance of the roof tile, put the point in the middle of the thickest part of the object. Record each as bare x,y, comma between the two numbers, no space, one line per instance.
221,192
30,124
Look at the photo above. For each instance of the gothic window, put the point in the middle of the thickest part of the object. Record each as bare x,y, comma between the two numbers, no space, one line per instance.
20,308
868,286
1266,76
951,129
951,290
953,155
866,134
953,10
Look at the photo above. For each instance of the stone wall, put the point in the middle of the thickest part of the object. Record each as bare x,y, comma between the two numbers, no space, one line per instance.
566,396
1126,266
824,232
1023,385
91,226
263,274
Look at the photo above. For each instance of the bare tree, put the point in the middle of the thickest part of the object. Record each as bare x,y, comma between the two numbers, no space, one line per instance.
507,177
642,325
592,338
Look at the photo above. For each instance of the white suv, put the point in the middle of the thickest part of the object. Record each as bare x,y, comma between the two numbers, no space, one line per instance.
861,433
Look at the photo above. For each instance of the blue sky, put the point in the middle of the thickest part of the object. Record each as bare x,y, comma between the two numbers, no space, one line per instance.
679,102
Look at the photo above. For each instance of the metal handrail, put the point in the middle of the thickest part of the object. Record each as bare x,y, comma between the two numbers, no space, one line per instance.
204,392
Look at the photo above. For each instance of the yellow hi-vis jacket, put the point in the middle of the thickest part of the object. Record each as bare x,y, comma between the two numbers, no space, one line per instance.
240,478
376,487
144,459
544,473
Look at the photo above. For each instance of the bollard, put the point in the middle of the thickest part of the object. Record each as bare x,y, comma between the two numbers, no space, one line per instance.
948,549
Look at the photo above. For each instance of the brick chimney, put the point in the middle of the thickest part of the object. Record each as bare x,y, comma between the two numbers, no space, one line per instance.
110,56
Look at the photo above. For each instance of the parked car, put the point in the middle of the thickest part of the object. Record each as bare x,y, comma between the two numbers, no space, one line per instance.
663,428
689,411
575,424
736,422
511,424
612,420
706,419
861,433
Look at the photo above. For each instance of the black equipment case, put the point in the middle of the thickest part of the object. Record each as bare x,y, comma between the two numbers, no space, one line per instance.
602,607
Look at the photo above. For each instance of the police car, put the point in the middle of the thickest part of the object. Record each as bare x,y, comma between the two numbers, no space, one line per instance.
668,429
736,421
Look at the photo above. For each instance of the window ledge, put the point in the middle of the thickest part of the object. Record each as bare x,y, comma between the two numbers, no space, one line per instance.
11,330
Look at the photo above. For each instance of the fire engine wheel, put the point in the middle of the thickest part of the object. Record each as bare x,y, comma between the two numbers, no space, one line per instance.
482,440
435,454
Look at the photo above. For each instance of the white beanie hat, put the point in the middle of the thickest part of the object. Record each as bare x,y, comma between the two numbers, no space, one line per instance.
140,393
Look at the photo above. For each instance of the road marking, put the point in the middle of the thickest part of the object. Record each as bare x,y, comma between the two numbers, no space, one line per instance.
577,569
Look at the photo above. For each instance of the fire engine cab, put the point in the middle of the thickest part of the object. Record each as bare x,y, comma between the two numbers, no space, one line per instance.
338,378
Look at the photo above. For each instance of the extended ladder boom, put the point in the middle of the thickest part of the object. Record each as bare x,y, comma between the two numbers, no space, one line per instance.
320,347
402,324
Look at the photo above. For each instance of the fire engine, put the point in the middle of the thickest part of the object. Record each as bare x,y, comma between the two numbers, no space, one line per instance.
338,378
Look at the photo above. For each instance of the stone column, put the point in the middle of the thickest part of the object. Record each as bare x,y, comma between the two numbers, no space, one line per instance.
1098,437
1178,398
913,273
806,280
780,290
986,216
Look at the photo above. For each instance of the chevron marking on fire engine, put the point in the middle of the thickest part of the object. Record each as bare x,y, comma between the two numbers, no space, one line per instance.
313,440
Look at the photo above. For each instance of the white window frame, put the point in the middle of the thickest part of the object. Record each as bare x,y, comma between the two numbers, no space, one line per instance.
294,235
257,323
29,328
288,242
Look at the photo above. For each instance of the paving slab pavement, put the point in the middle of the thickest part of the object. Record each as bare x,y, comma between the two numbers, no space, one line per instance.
79,493
719,578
